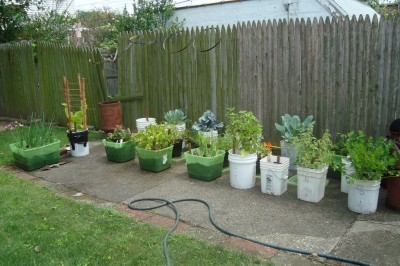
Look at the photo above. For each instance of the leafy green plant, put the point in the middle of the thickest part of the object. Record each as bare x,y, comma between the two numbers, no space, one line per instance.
292,126
175,117
37,133
371,158
314,153
120,134
225,142
155,137
245,130
207,146
207,122
76,117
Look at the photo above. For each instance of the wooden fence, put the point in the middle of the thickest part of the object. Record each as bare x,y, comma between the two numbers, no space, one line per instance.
25,90
345,72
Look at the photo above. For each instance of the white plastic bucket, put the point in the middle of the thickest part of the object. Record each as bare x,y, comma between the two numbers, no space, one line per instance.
274,177
344,180
311,183
180,127
80,150
210,134
290,151
242,170
363,196
142,123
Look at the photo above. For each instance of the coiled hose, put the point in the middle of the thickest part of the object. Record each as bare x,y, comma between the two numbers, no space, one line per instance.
171,204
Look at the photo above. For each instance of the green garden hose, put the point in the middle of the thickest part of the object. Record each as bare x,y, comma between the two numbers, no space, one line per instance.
171,205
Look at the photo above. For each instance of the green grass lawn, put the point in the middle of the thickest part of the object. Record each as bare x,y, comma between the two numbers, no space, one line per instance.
7,137
40,227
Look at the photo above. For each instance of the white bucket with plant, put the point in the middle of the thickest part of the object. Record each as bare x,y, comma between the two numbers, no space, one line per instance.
142,123
245,130
371,158
314,156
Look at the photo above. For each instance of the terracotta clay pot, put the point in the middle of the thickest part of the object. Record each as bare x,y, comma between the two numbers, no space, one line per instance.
110,114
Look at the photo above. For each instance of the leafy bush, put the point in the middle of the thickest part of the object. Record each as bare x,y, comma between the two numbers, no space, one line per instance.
120,134
314,153
155,137
245,130
371,158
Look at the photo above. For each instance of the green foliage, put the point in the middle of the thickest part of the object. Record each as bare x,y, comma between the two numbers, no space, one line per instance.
76,117
36,134
13,16
385,9
245,130
292,126
225,142
314,153
207,146
49,26
175,117
119,134
153,14
371,158
207,122
155,137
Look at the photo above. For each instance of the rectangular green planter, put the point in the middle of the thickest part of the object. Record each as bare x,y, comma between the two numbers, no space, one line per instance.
32,159
119,152
205,168
155,160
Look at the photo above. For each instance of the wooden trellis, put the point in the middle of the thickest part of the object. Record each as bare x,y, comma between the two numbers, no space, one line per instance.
75,100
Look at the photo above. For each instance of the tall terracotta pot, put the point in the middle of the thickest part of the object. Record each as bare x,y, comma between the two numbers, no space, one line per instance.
110,114
393,193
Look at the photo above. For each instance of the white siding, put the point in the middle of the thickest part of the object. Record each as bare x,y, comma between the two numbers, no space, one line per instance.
354,7
251,10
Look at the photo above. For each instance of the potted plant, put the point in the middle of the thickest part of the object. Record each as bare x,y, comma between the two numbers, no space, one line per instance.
372,159
274,171
120,145
208,125
176,118
313,157
76,120
291,127
35,145
154,147
206,161
245,130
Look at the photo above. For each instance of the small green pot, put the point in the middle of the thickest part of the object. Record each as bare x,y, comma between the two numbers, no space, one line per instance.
119,152
32,159
155,160
205,168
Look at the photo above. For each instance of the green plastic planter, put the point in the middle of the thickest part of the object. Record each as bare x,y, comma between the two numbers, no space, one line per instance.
32,159
119,152
205,168
155,160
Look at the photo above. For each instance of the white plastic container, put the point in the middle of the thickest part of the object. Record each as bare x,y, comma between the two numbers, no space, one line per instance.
242,170
210,134
344,180
290,151
142,123
274,177
180,127
363,196
311,183
80,150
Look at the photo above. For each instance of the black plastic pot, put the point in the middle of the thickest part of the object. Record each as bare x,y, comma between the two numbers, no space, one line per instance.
80,137
177,150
